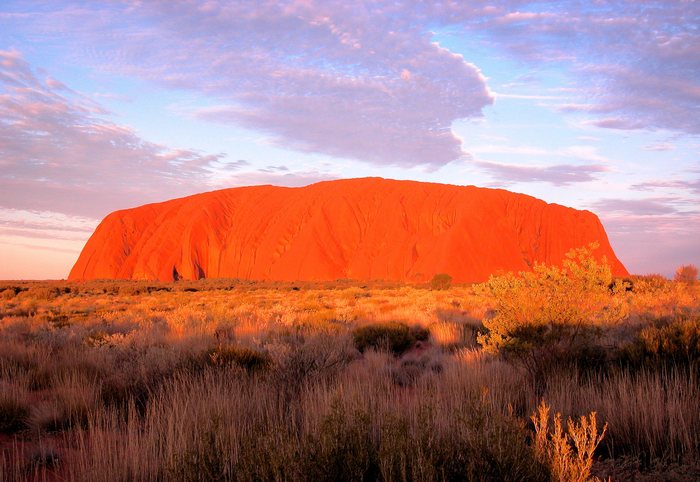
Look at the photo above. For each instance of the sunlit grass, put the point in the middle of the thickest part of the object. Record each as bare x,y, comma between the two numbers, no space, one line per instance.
225,380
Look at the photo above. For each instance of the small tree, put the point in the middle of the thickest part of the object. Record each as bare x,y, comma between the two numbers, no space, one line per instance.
549,314
687,273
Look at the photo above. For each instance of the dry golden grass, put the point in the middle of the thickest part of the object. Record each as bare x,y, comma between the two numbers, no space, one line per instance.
225,380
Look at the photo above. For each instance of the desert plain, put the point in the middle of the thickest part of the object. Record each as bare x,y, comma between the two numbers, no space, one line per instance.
221,379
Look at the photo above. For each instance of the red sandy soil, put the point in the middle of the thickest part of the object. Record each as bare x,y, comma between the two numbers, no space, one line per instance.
359,229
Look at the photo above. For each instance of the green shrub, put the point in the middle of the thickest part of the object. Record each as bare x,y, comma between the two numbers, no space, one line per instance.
131,288
118,390
674,341
97,338
551,314
316,358
43,458
650,284
393,336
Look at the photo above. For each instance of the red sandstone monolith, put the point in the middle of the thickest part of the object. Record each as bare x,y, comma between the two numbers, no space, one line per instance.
359,229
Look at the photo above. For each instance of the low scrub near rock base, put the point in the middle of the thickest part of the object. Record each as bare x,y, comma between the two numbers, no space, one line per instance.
243,357
393,336
230,380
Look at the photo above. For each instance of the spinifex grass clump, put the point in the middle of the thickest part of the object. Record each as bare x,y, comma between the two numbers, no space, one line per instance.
246,358
14,413
394,336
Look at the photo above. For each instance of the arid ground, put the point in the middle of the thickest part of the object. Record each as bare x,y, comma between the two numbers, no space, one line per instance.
236,380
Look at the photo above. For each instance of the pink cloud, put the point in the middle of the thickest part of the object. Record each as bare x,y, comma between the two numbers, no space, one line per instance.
366,80
637,207
655,235
277,176
692,186
58,153
656,243
637,63
27,221
353,80
661,147
373,67
40,244
558,175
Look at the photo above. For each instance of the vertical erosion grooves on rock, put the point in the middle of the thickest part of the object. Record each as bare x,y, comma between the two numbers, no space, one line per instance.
357,228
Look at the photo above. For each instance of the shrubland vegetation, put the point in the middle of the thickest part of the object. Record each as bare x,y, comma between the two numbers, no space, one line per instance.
563,373
687,273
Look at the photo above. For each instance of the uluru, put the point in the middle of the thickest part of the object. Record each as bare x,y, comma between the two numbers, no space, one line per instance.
362,229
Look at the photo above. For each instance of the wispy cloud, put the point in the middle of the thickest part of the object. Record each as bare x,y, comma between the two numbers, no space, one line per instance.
639,207
658,233
59,153
661,147
558,175
692,186
278,177
368,81
41,244
636,65
352,80
45,224
577,152
69,227
589,167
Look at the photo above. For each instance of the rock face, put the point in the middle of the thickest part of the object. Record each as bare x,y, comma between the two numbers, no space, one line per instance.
357,228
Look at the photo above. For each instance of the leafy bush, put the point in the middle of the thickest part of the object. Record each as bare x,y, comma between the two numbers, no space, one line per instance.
675,341
650,284
119,390
44,293
411,368
551,314
687,273
441,281
394,336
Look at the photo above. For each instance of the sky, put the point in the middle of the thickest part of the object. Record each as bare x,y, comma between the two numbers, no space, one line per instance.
107,105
